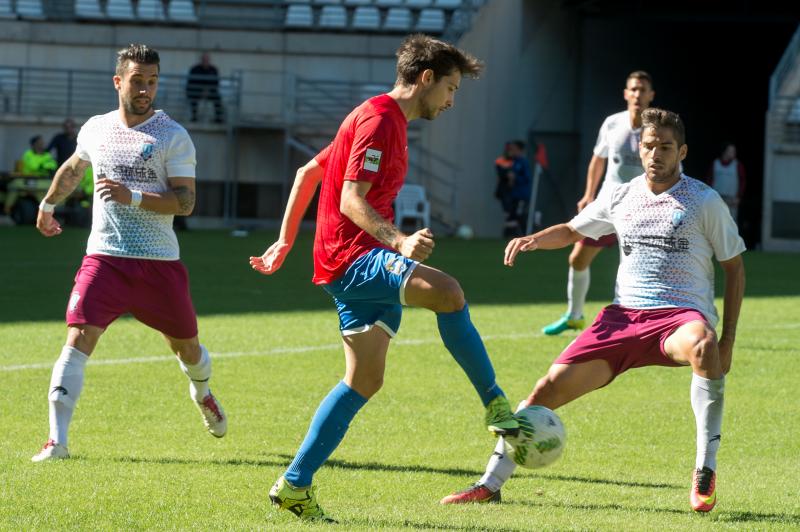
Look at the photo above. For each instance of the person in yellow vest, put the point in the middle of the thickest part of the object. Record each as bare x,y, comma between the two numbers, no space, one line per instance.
37,161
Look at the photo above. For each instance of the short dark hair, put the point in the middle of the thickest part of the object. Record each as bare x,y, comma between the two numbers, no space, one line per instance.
640,75
33,139
136,53
419,52
519,144
657,118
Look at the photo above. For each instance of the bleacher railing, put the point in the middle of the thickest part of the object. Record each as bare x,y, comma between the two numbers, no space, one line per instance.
83,93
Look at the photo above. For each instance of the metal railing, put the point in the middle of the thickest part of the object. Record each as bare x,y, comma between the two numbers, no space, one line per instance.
83,93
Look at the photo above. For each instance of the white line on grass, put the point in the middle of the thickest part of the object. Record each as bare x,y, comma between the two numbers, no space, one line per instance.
269,352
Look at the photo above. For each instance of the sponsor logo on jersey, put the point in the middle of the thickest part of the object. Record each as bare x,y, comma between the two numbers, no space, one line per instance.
372,160
147,150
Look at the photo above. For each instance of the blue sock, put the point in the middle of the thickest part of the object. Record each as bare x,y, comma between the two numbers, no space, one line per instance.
327,429
464,343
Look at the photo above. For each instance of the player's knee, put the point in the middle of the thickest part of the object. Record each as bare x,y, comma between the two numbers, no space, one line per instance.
369,386
578,262
451,297
703,351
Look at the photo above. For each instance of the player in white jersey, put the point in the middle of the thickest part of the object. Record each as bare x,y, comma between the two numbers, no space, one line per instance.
616,151
144,165
670,228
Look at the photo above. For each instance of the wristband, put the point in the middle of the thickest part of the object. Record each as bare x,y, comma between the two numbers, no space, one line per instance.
136,198
47,207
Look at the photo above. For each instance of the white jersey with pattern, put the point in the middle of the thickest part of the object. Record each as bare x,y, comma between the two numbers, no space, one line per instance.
666,242
142,157
618,142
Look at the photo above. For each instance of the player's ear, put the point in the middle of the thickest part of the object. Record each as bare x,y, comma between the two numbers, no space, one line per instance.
117,82
427,77
682,151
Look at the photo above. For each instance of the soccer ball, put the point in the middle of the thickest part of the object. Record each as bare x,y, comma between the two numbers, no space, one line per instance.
541,438
464,232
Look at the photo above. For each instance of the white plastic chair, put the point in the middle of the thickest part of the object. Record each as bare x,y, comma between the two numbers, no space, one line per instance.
411,202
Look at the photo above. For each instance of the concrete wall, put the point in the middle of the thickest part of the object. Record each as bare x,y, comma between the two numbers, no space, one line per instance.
530,85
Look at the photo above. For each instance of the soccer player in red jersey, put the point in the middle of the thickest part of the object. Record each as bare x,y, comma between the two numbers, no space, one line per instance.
370,267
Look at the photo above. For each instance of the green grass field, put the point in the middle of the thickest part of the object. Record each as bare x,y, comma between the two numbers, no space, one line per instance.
142,460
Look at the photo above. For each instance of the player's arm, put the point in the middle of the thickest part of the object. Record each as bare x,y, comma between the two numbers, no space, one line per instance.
64,183
179,199
594,174
354,205
554,237
732,303
306,181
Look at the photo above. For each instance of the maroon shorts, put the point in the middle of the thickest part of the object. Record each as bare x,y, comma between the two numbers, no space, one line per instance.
605,241
628,338
156,292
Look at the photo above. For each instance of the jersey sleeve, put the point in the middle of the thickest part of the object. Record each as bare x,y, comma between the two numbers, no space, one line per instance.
595,220
368,154
84,141
601,145
322,156
181,157
720,229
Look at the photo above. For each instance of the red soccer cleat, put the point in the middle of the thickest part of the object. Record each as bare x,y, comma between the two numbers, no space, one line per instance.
703,496
475,493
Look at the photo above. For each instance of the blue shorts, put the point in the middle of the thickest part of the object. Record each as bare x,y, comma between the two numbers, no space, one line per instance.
372,292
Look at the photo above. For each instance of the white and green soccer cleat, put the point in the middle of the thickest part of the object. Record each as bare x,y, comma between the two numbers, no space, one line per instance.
302,502
499,419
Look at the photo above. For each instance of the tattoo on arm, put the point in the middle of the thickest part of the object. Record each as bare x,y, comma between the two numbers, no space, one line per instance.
387,233
185,197
65,181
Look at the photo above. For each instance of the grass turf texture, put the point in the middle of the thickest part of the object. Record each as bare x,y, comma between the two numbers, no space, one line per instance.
142,459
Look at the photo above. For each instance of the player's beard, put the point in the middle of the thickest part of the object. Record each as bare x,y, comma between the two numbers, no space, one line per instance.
130,107
665,174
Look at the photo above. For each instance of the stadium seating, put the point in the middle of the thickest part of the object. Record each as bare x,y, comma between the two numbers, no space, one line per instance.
299,16
89,9
120,10
333,16
181,11
5,9
430,20
366,18
31,9
398,19
150,10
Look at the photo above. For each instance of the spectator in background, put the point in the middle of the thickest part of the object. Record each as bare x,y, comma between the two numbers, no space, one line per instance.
37,161
503,168
520,182
727,177
202,83
65,142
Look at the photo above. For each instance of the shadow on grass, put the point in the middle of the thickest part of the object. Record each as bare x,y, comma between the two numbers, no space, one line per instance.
425,525
716,516
283,460
612,482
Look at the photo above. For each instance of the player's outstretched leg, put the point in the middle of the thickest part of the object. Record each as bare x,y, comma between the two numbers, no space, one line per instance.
707,401
577,288
211,410
66,383
487,489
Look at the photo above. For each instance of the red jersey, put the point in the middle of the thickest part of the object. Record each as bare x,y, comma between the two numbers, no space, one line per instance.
371,145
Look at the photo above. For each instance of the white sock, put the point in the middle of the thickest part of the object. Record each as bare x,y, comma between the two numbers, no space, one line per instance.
198,375
707,400
66,383
577,288
499,469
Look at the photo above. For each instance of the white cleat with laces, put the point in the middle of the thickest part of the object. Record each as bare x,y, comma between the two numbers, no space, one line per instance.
51,451
213,415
